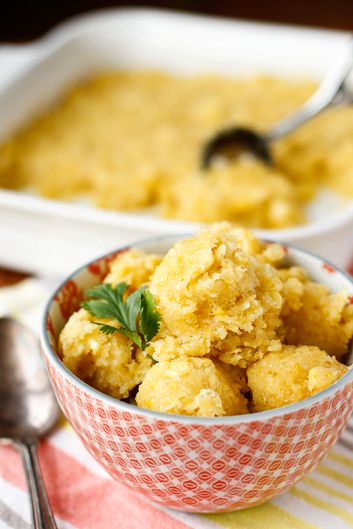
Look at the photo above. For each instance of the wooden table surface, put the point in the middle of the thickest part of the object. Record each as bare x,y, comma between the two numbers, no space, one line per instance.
10,277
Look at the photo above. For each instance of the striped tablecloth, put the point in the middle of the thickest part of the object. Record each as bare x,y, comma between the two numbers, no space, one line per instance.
83,496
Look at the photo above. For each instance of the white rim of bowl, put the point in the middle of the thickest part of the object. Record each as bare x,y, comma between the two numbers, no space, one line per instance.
172,417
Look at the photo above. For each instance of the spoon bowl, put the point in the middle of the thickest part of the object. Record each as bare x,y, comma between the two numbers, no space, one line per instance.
28,408
233,142
230,142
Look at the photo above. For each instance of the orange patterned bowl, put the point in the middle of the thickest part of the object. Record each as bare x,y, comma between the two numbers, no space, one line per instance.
191,463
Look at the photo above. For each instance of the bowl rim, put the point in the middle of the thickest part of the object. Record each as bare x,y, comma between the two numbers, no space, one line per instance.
48,351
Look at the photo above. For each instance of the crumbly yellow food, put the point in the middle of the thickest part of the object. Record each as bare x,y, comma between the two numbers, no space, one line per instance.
134,267
312,315
108,139
290,375
236,374
214,298
108,363
240,330
191,386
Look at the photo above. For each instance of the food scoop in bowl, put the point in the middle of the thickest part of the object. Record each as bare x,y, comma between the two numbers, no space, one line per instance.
193,463
234,141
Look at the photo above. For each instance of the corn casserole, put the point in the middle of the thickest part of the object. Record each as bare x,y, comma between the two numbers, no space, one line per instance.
132,140
230,337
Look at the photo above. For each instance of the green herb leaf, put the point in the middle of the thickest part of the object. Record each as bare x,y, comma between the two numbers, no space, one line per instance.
151,358
106,329
100,309
133,307
149,317
107,301
139,320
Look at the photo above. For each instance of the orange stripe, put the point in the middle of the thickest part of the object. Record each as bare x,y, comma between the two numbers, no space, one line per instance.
83,498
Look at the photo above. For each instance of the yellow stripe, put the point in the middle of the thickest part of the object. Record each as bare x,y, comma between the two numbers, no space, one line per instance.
325,505
68,426
62,422
266,516
329,490
347,461
334,474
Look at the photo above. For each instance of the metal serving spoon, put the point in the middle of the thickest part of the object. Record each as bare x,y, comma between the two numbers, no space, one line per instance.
331,92
28,408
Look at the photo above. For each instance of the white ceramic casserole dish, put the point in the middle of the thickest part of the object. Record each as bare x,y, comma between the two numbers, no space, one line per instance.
52,237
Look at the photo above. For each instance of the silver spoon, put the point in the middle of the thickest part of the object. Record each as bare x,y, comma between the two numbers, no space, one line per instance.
331,92
28,408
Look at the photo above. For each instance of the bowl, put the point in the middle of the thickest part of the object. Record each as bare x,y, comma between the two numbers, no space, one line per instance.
196,464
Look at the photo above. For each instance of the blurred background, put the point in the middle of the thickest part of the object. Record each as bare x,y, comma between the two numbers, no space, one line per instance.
23,19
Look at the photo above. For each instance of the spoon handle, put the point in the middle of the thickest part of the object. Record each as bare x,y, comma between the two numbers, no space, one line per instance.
330,92
42,514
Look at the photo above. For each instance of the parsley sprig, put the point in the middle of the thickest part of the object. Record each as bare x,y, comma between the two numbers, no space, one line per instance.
137,314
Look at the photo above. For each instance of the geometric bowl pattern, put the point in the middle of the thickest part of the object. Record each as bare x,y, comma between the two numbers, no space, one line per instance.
196,464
